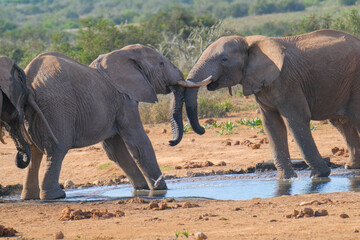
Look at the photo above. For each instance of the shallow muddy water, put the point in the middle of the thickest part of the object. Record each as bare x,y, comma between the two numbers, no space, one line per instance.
230,187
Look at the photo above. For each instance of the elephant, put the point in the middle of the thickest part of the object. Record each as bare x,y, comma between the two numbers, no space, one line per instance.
85,105
314,76
13,99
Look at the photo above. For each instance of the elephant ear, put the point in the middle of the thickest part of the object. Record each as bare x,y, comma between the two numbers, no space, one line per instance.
265,62
12,84
126,75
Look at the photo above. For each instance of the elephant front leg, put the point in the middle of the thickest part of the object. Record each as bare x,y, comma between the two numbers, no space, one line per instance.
116,150
351,136
138,144
31,188
50,188
276,132
299,126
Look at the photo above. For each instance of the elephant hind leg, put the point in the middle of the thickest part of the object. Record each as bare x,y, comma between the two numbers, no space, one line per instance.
116,150
50,188
352,139
31,188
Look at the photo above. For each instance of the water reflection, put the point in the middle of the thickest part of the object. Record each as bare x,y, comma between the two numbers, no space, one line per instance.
229,187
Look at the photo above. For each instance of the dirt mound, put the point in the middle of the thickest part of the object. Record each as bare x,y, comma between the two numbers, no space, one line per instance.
133,200
307,212
7,231
68,214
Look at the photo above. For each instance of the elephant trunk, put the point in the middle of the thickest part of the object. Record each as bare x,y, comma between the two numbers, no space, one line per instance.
176,114
192,110
23,155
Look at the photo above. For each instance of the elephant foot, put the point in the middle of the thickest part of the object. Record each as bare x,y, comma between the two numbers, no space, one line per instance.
159,184
286,174
352,165
30,194
322,172
52,194
141,187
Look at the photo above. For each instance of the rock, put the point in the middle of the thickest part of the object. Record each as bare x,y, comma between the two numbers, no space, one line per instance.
164,131
200,236
189,205
193,140
209,121
227,143
254,146
334,150
221,163
264,140
152,205
68,184
237,142
308,212
59,235
147,131
344,215
253,136
321,213
356,230
207,164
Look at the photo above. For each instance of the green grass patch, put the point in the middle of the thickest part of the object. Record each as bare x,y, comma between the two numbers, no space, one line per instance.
105,166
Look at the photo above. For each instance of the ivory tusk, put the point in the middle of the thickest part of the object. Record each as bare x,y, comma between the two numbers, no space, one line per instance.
37,109
195,84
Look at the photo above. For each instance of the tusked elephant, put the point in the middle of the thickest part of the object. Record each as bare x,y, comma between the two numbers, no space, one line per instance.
14,95
314,76
85,105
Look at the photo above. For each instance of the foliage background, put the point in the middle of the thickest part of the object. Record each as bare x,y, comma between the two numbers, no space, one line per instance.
179,29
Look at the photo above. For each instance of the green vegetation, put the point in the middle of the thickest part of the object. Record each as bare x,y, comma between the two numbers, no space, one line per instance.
104,166
181,234
179,29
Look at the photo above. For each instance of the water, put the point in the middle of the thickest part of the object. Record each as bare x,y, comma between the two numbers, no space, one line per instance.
230,187
227,187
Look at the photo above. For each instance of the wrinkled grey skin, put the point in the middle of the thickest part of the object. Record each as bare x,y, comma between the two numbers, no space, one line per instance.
99,103
296,79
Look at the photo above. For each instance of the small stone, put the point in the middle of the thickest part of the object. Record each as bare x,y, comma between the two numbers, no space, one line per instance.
227,143
356,230
344,215
164,131
178,167
147,131
68,184
334,150
255,146
238,209
59,235
200,236
237,142
273,220
193,140
253,136
321,213
209,121
308,212
222,163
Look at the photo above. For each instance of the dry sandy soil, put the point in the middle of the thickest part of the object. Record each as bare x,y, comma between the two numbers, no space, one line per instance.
249,219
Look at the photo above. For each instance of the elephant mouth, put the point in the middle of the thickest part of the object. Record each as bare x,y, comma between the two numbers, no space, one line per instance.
213,86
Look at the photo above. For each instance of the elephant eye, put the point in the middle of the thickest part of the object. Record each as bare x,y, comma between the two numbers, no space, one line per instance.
224,59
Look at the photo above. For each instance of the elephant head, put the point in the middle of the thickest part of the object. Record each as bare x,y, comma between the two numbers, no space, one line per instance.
14,95
255,62
141,72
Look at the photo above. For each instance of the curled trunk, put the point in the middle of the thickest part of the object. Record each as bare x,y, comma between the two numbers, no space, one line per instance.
176,114
23,155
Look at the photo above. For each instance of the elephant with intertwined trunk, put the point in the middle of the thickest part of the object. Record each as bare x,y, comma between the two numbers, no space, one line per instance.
85,105
314,76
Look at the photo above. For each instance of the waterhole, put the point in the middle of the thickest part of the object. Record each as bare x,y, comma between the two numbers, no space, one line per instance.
229,187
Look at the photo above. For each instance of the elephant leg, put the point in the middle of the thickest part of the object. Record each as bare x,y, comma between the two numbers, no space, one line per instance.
50,188
116,150
351,136
31,188
138,144
276,132
299,125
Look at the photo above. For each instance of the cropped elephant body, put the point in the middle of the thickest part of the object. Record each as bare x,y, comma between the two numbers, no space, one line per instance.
85,105
84,99
313,76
